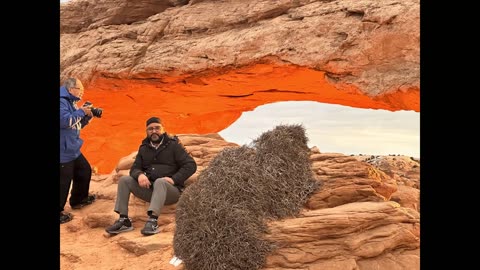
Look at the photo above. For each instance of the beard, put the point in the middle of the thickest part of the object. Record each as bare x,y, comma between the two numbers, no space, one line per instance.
156,138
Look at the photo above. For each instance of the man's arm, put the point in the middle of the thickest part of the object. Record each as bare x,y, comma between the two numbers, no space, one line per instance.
85,120
136,168
67,118
187,165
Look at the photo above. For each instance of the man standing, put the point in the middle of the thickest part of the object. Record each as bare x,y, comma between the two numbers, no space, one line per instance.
73,165
158,174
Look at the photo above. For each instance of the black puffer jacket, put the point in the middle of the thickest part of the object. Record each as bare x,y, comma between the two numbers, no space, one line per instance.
170,159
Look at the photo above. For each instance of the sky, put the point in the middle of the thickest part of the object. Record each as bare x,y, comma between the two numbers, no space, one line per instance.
335,128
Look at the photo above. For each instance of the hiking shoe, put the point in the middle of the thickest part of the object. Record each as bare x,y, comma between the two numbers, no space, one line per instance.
121,225
151,227
89,200
65,217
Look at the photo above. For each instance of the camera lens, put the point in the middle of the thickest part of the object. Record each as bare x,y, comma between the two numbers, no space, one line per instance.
97,112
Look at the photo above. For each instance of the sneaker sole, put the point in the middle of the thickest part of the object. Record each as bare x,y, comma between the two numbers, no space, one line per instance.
151,233
80,206
121,231
66,220
83,204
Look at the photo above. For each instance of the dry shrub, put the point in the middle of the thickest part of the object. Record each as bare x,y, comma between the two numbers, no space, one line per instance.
221,218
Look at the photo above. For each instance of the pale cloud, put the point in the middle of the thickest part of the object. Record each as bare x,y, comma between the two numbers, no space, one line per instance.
335,128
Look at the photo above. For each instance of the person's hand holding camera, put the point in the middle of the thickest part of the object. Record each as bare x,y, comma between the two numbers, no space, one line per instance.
92,111
87,110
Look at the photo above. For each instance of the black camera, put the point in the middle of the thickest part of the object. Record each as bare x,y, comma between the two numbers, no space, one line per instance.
97,112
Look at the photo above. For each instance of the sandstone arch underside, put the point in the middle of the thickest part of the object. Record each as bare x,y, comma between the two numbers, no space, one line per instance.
199,64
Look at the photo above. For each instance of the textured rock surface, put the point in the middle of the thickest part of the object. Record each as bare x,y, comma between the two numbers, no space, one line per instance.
363,230
200,64
348,234
369,46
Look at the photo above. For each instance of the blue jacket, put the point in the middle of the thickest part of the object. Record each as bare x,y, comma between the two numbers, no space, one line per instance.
72,120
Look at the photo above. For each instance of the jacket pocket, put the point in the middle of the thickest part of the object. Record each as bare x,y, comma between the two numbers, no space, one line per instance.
161,170
72,145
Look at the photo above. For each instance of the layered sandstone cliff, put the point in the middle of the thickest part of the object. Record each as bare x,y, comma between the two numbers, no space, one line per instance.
199,64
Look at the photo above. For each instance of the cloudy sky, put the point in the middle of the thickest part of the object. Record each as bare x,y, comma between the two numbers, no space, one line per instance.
335,128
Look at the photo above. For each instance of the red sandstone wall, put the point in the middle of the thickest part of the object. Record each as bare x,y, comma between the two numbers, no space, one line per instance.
206,104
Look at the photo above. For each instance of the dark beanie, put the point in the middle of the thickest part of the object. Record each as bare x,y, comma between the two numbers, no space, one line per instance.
153,120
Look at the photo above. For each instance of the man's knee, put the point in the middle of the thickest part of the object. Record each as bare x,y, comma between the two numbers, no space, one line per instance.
160,182
125,180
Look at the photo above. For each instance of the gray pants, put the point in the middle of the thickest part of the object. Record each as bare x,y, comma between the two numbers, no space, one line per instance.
163,193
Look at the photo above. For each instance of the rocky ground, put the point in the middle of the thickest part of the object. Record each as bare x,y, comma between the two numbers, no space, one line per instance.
365,216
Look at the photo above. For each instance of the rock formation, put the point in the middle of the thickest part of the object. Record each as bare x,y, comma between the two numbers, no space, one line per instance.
352,222
199,64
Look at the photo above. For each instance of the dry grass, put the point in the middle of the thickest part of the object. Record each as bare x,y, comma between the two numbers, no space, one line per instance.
221,218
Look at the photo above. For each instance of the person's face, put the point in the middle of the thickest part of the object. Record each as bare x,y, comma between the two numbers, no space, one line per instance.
154,131
77,90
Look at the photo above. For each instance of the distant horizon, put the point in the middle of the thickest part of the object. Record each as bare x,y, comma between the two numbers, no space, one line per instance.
335,128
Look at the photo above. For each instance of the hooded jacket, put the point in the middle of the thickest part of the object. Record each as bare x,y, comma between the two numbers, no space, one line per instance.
72,120
170,159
